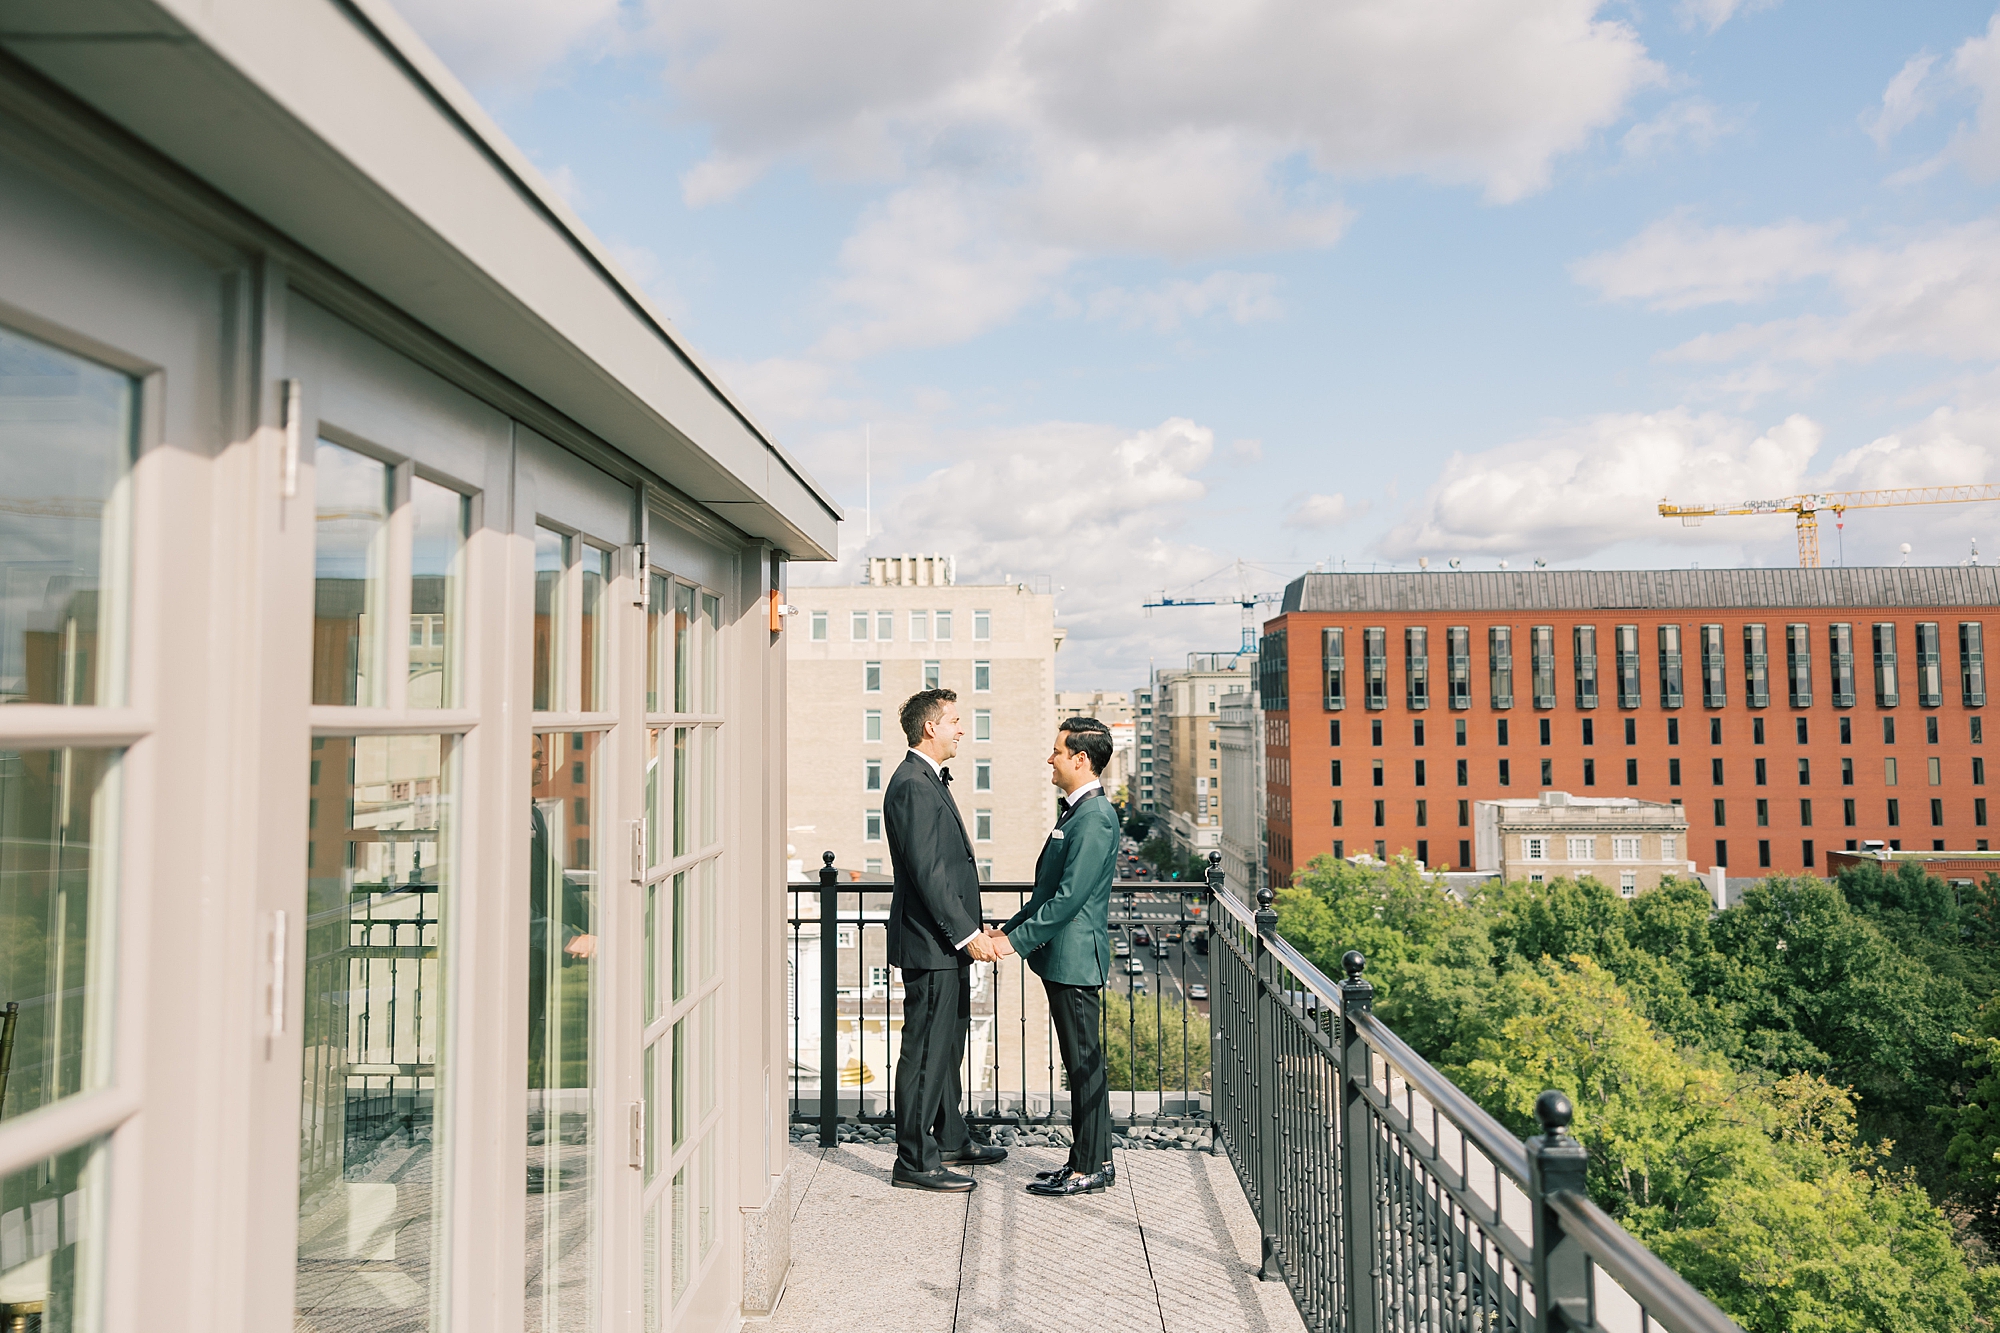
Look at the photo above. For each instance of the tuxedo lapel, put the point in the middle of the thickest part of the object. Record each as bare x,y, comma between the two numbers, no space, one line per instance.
944,794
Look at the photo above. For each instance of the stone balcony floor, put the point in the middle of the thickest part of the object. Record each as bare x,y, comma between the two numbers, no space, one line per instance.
1171,1248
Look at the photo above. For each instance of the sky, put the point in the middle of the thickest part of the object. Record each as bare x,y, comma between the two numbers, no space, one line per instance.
1154,297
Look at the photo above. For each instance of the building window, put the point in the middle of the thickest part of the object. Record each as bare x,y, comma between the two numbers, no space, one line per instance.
941,626
1931,730
1273,673
871,725
1381,850
1715,731
1673,731
1668,846
1375,667
1888,731
982,677
1936,766
1762,771
1339,850
844,937
1465,775
1930,665
1628,665
982,626
1464,854
1582,849
1978,771
1590,772
1979,811
1624,849
1800,727
1339,814
871,677
885,625
1333,733
1584,640
872,826
1895,813
1886,693
1542,664
1420,773
1336,773
1548,772
1721,813
982,775
1889,771
1764,853
1806,853
1459,729
1423,852
1714,683
985,871
1631,772
1375,732
860,627
1545,730
1378,772
1333,668
1722,852
1500,665
1673,772
920,626
1458,665
1847,812
1798,667
1840,665
1670,666
1756,667
1846,771
1506,777
1464,818
982,724
982,826
1763,813
1534,849
1381,814
1423,819
933,674
1500,731
1715,772
871,775
1805,772
819,626
1972,664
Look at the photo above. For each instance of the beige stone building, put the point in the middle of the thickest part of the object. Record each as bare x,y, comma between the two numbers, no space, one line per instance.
1187,743
856,652
1626,843
1115,710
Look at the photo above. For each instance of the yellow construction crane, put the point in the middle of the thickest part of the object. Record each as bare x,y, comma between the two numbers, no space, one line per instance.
1806,508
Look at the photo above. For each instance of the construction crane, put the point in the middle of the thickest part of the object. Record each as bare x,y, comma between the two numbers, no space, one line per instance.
1807,508
1246,599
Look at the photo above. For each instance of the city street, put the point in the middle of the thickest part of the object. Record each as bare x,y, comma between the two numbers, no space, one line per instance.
1159,910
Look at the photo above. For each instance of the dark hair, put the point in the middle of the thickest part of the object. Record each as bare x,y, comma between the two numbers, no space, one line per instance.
923,707
1088,737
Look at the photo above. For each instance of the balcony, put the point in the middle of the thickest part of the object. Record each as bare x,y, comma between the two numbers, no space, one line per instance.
1331,1162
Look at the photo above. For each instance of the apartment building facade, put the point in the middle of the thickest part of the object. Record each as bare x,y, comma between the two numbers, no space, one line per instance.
1187,744
1114,708
1626,844
1787,711
858,651
1143,745
1244,817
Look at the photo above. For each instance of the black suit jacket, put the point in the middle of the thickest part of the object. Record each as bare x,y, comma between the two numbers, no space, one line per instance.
936,902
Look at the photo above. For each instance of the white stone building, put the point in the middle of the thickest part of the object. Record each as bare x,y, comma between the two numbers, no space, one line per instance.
1241,734
1625,843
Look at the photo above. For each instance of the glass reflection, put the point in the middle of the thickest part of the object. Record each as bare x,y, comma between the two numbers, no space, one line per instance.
656,638
51,1257
56,860
349,552
377,888
709,806
679,795
562,949
67,438
683,660
596,626
711,651
551,560
440,519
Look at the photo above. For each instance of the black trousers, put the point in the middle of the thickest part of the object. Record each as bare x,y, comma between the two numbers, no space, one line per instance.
1075,1010
937,1014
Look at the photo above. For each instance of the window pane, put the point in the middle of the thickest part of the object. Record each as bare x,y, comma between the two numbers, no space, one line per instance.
66,444
371,1213
679,795
650,1149
562,947
704,1175
551,559
677,1094
51,1251
657,647
709,820
650,1007
706,913
596,627
677,938
711,652
656,780
440,519
349,555
57,839
683,661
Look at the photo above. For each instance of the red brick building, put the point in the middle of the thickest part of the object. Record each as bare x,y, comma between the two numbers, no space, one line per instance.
1789,711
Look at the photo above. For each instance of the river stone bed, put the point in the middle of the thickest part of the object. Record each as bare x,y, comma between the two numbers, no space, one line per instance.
1157,1138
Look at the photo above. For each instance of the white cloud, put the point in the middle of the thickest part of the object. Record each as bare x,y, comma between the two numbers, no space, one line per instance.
1694,121
1243,297
1587,486
510,43
1676,264
1908,96
1976,67
1104,512
1973,72
1712,14
1316,511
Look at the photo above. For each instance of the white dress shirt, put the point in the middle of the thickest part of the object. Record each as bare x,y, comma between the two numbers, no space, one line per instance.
938,769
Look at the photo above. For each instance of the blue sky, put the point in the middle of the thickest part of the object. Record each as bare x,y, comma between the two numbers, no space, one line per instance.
1124,293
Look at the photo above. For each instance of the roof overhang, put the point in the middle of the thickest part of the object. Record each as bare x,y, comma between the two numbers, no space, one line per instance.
333,124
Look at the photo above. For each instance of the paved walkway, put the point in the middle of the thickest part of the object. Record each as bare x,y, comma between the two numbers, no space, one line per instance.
1172,1248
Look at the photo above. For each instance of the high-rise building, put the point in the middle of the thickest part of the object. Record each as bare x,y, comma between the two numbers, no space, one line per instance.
1187,744
1244,806
1143,744
1115,710
1787,711
858,651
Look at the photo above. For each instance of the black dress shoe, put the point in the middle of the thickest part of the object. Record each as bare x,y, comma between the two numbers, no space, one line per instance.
975,1154
1110,1174
1063,1186
937,1182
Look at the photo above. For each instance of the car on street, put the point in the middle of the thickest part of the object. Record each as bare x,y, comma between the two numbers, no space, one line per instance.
1135,967
1197,991
1139,986
1174,936
1161,950
1142,936
1120,949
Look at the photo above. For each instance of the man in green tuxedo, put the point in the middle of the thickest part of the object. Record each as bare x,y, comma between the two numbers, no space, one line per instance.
1064,935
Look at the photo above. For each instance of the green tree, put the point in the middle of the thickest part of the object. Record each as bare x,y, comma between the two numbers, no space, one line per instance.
1155,1044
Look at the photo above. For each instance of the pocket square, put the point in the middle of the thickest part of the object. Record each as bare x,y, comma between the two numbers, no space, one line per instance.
1055,833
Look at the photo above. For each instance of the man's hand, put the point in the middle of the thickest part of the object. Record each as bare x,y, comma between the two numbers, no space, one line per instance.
981,948
1002,946
583,946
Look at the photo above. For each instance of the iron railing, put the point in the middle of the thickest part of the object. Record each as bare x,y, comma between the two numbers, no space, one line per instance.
1387,1200
846,1013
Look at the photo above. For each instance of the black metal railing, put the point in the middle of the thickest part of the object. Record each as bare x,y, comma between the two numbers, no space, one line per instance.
846,1012
1387,1199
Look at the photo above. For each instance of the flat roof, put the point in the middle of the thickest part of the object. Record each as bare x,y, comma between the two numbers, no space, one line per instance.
333,124
1453,590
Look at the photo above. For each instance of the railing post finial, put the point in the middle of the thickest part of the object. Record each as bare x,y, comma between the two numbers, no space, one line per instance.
1267,916
1357,992
1554,1111
1557,1163
828,876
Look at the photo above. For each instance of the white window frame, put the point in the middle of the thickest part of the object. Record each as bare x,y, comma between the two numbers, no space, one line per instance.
1580,847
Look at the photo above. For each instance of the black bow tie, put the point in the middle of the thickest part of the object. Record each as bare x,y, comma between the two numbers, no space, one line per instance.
945,775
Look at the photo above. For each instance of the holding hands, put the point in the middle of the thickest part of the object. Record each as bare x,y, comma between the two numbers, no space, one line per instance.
990,947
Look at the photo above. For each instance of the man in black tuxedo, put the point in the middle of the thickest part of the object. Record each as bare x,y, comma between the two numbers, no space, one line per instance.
934,936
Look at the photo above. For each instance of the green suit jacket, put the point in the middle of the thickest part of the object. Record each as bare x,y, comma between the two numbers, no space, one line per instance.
1062,931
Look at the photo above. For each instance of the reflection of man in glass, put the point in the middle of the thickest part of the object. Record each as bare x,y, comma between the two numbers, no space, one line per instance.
568,925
